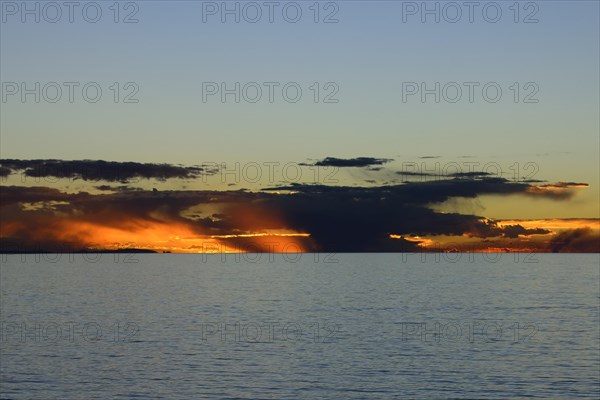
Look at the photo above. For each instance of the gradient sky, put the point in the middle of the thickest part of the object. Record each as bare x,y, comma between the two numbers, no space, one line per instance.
369,53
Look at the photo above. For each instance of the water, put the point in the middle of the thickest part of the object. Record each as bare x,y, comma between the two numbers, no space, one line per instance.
366,326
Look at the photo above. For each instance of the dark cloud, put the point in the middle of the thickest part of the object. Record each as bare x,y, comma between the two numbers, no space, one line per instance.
4,171
98,170
533,181
121,188
564,185
556,191
360,219
416,193
514,231
472,174
350,162
338,218
427,157
412,173
19,194
581,240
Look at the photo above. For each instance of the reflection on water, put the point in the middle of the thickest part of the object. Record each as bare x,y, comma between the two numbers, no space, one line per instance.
313,326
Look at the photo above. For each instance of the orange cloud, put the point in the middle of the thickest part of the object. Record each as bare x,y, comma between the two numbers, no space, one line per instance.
157,231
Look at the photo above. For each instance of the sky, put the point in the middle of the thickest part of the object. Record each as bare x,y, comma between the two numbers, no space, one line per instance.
411,95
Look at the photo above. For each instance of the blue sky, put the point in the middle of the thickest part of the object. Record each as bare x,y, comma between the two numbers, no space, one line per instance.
380,79
368,54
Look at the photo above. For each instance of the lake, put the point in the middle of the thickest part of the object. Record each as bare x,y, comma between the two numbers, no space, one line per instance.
314,326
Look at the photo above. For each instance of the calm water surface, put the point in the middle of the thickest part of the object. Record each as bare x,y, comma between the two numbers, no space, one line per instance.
367,326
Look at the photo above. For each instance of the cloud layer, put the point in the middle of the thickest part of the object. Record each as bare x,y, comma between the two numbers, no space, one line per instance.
350,162
305,217
98,170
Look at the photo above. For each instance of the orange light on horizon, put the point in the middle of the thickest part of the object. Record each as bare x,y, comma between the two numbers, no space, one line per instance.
150,234
553,224
420,241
